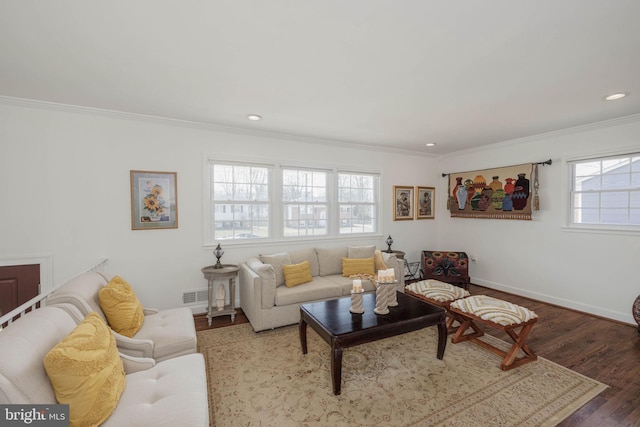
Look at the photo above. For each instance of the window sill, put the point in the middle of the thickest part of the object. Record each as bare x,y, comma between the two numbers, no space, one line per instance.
602,229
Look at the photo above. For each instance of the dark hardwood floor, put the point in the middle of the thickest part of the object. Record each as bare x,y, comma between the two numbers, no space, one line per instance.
601,349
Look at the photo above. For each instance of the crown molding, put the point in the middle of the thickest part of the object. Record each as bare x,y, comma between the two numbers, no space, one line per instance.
79,109
633,118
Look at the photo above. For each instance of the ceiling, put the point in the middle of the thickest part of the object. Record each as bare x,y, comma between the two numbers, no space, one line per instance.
398,74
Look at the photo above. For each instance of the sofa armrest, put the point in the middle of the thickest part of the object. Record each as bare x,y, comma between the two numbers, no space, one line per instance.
136,347
264,281
134,364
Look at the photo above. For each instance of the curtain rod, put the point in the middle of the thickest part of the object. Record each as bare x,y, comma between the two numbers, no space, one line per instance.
548,162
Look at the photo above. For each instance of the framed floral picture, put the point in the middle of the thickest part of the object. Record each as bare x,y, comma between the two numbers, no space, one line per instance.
425,202
154,200
403,203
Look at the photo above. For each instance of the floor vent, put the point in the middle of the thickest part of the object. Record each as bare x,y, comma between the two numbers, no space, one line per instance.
194,296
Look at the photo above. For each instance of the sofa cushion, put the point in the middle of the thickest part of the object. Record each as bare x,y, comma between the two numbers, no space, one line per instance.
121,307
277,261
346,283
172,393
318,289
297,274
352,266
361,251
330,260
86,372
172,331
307,254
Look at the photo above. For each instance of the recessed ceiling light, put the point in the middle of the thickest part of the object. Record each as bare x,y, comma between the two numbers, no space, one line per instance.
615,96
254,117
431,144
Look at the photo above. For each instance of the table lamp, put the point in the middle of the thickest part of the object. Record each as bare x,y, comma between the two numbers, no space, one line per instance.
218,252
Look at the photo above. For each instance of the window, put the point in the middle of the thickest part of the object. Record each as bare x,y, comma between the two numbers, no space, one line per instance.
304,202
240,199
267,201
357,202
606,191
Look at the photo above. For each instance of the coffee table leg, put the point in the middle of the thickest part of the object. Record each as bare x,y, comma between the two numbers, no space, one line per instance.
442,338
302,328
336,367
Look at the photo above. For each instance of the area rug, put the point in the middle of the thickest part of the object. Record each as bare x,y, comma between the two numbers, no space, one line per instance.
263,379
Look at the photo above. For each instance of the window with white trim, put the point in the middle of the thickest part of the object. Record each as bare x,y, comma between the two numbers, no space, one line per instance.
305,205
357,202
249,201
240,201
606,191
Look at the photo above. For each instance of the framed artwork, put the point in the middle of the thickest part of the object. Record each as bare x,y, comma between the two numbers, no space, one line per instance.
425,202
154,200
403,203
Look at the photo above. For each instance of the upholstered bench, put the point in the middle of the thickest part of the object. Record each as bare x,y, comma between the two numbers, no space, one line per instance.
441,294
497,314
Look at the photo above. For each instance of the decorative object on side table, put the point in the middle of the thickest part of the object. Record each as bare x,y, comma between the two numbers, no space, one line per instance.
218,252
636,312
389,242
220,297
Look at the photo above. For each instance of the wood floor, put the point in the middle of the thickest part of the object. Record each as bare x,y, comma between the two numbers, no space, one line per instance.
601,349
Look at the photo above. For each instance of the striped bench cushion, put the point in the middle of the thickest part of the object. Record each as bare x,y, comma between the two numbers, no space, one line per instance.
494,310
437,290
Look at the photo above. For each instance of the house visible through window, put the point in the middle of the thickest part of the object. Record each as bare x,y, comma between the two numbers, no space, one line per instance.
606,191
358,202
245,202
240,198
304,202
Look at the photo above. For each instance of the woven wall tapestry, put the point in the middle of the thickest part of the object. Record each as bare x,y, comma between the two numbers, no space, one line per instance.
500,193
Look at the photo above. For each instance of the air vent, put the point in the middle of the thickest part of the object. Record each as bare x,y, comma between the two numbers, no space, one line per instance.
194,296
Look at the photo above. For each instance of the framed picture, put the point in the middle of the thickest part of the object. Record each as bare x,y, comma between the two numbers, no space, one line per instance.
425,202
154,200
403,203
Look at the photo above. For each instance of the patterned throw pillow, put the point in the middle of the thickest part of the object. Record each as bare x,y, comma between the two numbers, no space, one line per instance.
86,372
297,274
121,307
352,266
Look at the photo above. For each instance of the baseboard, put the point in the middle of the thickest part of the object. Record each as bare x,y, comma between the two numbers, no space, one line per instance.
626,318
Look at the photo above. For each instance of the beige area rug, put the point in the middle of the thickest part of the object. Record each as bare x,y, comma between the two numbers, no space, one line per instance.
263,379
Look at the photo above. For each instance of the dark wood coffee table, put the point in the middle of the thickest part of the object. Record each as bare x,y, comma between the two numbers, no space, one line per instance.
341,329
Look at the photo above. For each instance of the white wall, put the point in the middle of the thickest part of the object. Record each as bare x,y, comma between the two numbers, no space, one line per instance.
589,271
65,191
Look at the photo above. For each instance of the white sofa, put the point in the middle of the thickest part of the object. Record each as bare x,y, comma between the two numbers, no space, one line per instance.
168,393
268,303
163,335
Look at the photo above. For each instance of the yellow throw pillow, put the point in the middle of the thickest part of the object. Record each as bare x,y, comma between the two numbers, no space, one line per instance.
86,372
121,307
379,262
351,266
297,274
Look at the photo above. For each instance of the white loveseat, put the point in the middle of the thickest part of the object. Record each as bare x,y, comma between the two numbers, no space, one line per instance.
169,393
163,335
268,303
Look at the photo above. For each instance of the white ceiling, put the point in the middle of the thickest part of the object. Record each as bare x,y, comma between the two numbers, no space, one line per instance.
400,73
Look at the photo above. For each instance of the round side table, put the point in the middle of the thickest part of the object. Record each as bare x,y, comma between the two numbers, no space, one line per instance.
228,271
